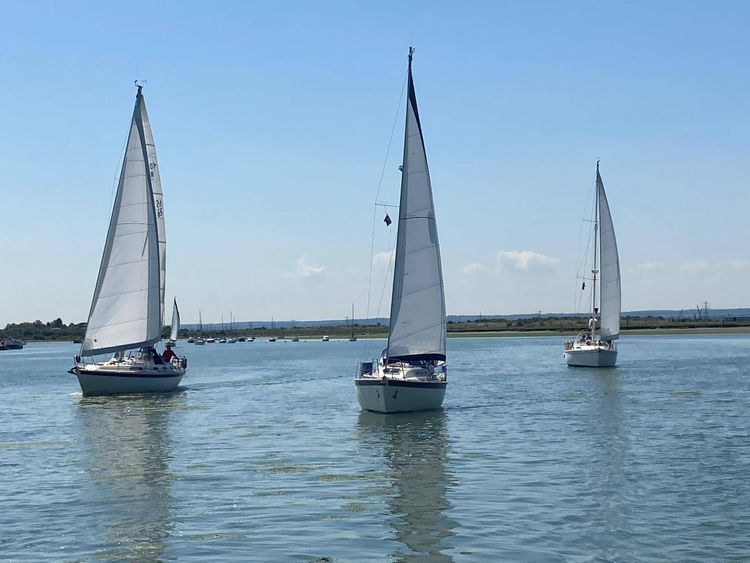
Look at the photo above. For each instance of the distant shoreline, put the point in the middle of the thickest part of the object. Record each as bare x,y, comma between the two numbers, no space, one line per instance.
504,334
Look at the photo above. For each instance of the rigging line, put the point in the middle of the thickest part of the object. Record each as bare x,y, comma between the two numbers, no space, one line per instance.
385,281
583,257
377,196
390,140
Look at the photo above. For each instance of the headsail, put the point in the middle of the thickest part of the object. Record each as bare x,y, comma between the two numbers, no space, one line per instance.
417,325
175,322
153,169
610,300
125,310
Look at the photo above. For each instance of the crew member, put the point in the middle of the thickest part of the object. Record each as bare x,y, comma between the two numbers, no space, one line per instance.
168,354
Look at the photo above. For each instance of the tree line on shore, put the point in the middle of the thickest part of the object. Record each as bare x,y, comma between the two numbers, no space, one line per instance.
57,330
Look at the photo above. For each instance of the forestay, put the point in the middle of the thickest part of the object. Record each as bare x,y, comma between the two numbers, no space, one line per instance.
417,324
175,322
125,311
610,268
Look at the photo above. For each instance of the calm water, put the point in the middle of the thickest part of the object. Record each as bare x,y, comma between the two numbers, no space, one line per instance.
265,455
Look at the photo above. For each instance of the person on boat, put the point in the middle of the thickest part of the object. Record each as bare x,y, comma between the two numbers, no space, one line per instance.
150,353
168,354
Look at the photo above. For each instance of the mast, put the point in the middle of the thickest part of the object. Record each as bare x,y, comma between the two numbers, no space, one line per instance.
610,294
157,194
595,270
125,311
200,322
352,320
417,319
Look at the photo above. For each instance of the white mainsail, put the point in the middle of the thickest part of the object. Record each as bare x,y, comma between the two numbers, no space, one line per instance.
125,310
175,322
153,168
610,300
417,324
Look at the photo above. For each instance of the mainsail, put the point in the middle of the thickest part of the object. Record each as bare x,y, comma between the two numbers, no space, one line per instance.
610,300
153,169
417,325
126,310
175,322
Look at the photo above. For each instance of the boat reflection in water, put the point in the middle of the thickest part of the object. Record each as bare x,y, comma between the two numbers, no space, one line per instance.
414,447
127,449
606,455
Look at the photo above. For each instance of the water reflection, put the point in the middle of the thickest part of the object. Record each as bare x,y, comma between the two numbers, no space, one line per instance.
609,439
127,449
415,447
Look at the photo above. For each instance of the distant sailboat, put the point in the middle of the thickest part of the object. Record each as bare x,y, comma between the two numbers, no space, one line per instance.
352,338
232,339
411,373
127,308
175,331
200,341
596,347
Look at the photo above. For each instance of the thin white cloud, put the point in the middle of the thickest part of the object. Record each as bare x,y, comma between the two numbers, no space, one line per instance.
473,267
383,258
522,259
648,266
737,263
691,266
695,266
306,270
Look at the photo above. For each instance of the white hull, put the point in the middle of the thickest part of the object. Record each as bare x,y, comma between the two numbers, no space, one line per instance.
110,378
391,396
400,387
591,356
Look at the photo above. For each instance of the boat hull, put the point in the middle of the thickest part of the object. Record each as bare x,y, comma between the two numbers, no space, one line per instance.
95,382
391,396
591,358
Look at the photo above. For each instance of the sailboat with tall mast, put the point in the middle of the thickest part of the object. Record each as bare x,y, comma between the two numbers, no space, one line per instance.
200,341
352,338
175,329
127,309
411,373
596,347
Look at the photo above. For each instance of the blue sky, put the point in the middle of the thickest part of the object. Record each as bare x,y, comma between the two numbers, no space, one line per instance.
272,122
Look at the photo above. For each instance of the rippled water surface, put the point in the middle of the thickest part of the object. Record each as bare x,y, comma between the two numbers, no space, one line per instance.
265,455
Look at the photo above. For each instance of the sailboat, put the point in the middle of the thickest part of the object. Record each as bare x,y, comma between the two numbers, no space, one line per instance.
352,338
411,374
200,341
175,325
232,339
596,346
127,309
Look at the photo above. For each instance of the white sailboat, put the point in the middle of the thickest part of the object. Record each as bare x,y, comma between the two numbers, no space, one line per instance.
411,374
596,347
200,341
352,338
127,308
232,339
175,330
